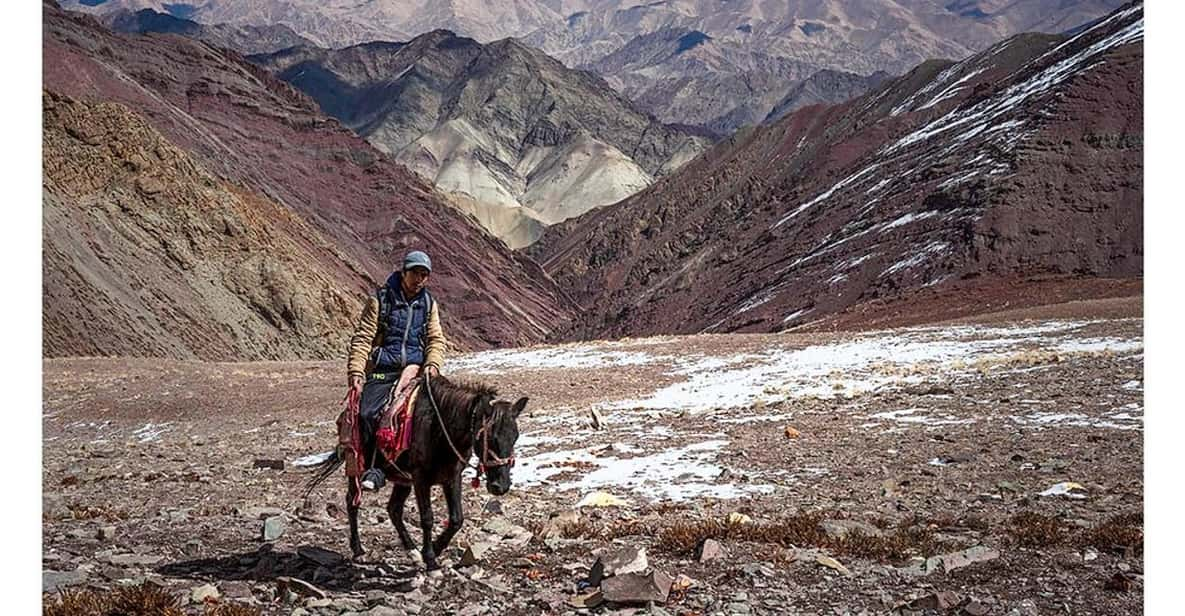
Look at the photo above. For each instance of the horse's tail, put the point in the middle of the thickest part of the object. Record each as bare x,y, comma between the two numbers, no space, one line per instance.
323,471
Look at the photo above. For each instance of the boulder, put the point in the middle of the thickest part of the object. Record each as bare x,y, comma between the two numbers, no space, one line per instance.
637,588
709,549
619,561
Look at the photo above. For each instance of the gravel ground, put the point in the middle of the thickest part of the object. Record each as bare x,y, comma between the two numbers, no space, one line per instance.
846,463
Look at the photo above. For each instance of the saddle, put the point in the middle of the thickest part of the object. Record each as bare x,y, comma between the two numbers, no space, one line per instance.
392,438
394,433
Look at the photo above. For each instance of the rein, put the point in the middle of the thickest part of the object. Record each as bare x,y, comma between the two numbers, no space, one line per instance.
484,459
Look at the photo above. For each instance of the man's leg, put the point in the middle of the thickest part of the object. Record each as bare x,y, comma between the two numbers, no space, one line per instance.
375,394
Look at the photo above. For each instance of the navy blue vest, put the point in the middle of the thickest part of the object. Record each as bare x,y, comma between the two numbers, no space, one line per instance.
406,328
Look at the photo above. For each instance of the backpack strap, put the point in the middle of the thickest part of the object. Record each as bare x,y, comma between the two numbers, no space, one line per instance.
383,295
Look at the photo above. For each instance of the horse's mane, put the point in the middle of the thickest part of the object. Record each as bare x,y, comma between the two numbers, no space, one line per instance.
458,395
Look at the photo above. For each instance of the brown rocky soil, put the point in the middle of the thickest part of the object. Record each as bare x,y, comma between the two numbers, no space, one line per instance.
927,441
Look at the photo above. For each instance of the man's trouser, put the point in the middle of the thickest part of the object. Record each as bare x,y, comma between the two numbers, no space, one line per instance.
380,390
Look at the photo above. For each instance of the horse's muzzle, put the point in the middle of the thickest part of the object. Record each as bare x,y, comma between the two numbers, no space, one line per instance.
497,485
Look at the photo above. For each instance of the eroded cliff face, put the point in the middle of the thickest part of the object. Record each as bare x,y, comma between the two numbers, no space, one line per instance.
1024,160
148,254
197,207
521,140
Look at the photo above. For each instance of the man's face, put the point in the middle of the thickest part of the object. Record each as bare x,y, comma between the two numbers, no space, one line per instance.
414,279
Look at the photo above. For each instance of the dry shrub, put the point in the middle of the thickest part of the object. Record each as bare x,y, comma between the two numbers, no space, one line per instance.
1034,530
1119,532
142,600
1123,531
803,530
231,609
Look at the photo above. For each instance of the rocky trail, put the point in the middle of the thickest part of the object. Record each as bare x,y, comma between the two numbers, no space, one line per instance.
973,468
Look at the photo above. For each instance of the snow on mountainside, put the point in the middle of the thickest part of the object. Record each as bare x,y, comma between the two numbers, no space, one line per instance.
1020,161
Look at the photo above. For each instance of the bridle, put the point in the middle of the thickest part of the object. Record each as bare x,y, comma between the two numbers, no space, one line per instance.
485,460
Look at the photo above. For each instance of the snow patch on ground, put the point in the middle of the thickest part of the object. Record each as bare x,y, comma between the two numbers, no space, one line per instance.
581,356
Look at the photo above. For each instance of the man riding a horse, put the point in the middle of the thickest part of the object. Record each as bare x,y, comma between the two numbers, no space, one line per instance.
398,333
441,423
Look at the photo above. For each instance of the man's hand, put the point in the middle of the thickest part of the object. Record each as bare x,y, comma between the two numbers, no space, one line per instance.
356,383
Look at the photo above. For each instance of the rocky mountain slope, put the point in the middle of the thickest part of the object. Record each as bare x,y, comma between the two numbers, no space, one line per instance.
522,140
195,206
751,49
245,39
1023,160
686,76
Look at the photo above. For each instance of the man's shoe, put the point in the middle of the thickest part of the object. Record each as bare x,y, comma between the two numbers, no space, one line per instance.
373,479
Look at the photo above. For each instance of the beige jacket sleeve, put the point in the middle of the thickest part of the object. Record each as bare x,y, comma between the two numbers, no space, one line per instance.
435,341
362,341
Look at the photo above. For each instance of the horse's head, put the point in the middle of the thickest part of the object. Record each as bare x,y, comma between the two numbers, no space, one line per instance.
495,442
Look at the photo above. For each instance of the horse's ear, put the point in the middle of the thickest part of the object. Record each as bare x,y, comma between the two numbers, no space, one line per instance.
518,407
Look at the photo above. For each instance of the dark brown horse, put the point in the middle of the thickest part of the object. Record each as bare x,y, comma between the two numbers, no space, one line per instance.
450,422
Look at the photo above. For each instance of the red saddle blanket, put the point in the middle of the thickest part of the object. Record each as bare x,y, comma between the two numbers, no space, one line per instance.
394,433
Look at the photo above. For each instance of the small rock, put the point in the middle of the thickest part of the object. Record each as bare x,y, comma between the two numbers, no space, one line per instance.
838,529
1121,582
630,559
601,499
475,553
51,581
554,527
298,586
739,608
683,582
831,563
975,608
957,560
235,589
321,556
203,592
637,588
791,433
598,422
587,600
273,528
384,610
268,463
107,533
1089,555
941,601
492,506
709,549
739,518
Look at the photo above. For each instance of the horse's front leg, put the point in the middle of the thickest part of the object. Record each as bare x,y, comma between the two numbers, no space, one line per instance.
352,512
452,495
395,510
423,491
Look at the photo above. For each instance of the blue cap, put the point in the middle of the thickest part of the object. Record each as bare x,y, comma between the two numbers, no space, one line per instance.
416,258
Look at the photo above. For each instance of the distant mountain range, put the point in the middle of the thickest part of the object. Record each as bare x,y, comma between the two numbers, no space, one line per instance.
716,65
518,139
196,207
1024,160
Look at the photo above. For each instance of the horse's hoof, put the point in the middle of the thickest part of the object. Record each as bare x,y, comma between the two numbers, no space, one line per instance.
358,554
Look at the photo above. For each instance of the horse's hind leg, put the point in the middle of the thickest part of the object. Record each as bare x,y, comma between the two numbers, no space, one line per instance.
423,491
395,509
452,495
352,511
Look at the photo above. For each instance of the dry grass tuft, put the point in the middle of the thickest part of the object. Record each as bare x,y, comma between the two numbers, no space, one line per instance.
802,530
1117,533
231,609
1120,532
142,600
1035,530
